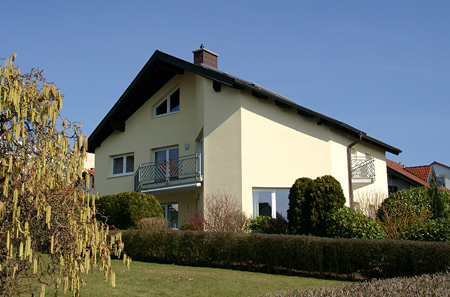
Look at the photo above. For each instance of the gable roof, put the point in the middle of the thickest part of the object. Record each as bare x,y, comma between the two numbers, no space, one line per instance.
161,67
440,164
422,172
405,174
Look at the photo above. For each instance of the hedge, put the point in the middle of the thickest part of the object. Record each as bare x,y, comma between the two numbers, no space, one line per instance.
124,210
288,254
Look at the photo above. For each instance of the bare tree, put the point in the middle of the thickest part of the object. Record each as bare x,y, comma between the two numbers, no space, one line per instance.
222,213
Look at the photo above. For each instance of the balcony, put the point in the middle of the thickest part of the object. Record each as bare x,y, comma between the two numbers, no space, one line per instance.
175,175
363,170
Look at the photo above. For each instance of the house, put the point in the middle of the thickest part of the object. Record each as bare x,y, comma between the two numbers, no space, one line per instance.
399,178
442,174
183,131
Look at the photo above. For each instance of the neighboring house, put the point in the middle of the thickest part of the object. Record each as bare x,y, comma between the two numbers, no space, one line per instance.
184,131
399,178
442,174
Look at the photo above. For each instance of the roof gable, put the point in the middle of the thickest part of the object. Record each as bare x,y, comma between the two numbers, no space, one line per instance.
401,169
422,172
161,67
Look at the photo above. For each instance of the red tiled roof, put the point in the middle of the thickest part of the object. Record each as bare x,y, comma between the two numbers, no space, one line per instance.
423,172
402,170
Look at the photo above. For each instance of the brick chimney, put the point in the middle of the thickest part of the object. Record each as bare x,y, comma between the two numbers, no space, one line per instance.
205,57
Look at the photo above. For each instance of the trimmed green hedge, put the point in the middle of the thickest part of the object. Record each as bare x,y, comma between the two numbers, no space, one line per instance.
289,254
124,210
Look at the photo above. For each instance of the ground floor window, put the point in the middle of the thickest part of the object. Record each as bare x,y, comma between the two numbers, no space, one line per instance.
170,211
270,202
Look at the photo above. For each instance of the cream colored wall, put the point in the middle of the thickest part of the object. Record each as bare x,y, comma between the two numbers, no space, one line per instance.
279,146
376,192
222,141
187,204
340,169
144,132
248,143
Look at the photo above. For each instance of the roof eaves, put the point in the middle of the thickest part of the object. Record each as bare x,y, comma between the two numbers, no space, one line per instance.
321,118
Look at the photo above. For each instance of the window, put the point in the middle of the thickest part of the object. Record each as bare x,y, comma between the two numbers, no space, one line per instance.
271,202
170,211
169,105
123,165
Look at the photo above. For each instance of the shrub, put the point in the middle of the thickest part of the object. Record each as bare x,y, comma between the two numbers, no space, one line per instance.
291,254
153,224
124,210
311,200
349,223
299,210
267,225
192,226
425,285
409,207
430,230
438,207
222,214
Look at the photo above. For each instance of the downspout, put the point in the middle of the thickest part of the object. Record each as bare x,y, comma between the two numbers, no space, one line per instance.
349,165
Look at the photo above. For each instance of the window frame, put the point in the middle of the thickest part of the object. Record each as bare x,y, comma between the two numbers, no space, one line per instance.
124,165
167,101
166,212
274,201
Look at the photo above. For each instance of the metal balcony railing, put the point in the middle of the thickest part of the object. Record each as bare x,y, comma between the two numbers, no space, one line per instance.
167,171
363,168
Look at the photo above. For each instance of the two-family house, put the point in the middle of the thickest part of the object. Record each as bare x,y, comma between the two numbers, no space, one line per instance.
183,131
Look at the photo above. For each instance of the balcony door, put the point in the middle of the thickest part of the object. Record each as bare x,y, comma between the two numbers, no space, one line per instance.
167,166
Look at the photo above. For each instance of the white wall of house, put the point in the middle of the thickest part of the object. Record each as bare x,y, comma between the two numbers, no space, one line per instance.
443,174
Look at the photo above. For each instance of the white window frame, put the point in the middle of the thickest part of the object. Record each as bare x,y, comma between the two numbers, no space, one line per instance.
124,169
166,100
273,198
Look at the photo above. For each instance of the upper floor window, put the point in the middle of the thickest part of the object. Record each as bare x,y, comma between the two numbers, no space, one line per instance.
169,105
122,165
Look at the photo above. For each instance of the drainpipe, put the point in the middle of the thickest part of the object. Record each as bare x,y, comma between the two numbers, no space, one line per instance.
349,164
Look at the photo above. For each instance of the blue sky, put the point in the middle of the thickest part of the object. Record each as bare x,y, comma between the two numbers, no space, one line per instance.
380,66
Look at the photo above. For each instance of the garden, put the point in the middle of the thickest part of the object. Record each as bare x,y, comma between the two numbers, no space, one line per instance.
406,241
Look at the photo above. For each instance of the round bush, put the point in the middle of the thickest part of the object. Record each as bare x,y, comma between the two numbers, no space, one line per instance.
430,230
124,210
349,223
309,203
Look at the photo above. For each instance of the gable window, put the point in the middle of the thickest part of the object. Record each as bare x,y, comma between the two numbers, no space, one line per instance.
122,165
169,105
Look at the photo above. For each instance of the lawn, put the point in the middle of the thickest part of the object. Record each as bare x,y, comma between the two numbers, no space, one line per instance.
149,279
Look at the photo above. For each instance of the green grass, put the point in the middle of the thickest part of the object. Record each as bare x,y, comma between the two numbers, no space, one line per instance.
149,279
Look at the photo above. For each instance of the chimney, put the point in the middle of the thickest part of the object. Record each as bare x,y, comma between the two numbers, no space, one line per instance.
205,57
